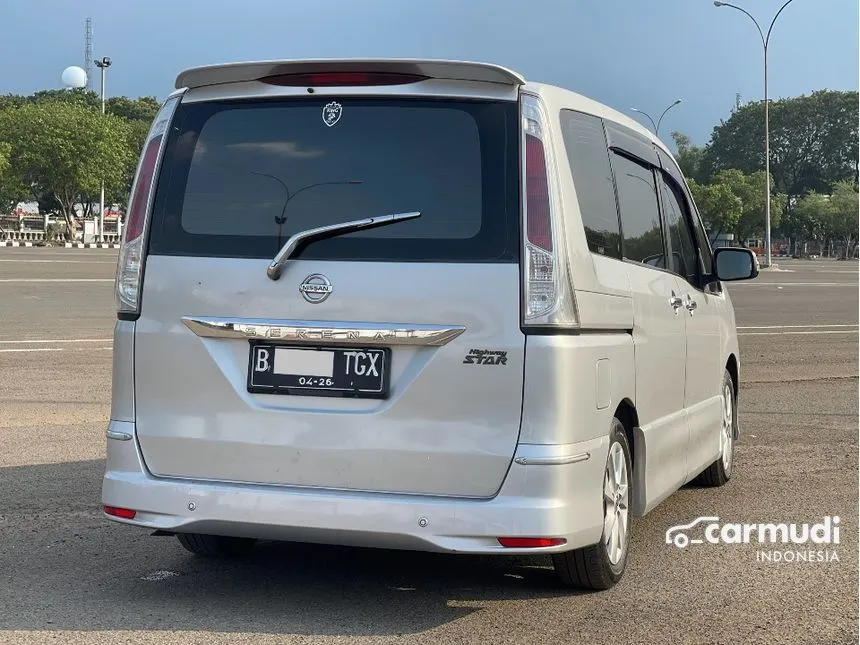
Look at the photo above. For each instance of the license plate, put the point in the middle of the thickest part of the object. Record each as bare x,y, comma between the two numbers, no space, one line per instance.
319,371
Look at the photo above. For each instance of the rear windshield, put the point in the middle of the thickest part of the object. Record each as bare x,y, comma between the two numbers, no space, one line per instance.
239,178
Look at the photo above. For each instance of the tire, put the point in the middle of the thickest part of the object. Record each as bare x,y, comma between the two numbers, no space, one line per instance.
215,546
720,472
601,565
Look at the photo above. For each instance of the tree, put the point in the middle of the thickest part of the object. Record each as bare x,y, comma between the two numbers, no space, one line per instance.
141,109
719,207
735,203
64,149
76,96
844,208
690,158
810,218
813,139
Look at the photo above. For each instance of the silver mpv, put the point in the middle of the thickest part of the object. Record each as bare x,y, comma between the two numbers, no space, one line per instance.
417,305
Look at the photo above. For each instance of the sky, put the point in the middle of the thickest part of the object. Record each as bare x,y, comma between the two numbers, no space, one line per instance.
624,53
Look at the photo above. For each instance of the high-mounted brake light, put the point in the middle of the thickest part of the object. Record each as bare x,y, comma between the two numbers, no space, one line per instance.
342,79
131,255
530,543
547,297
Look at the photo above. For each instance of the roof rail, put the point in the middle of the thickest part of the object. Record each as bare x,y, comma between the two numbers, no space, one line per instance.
437,69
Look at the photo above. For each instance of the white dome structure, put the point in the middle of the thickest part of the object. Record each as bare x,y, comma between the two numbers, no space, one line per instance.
74,77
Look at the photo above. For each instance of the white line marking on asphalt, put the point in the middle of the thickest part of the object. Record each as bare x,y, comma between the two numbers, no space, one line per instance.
796,333
42,341
798,326
57,280
33,349
797,284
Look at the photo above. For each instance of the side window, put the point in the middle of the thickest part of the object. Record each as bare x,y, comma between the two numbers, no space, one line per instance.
704,244
698,229
640,214
588,156
682,248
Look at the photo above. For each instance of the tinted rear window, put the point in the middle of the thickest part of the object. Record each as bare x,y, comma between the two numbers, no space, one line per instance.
234,170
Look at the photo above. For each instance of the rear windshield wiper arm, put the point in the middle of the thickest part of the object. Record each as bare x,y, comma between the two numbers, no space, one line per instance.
274,269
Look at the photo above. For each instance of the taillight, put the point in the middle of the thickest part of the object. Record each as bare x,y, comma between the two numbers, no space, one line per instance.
547,297
342,79
131,255
538,219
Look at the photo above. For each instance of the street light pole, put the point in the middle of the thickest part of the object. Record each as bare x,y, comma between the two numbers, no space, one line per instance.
281,220
102,64
765,41
660,120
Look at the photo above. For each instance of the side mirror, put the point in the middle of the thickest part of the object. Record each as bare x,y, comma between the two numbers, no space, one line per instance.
735,264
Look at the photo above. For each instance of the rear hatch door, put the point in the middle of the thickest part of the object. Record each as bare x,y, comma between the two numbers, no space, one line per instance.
388,359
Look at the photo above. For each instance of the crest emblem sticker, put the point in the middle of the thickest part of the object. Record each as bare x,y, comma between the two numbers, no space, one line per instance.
331,113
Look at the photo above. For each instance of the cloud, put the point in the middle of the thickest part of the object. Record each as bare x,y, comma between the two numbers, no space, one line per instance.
281,148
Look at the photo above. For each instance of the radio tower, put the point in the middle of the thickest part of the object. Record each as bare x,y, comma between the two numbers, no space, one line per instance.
88,53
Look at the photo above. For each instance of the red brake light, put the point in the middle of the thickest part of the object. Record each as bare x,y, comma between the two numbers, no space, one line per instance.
530,543
137,207
339,79
124,513
538,223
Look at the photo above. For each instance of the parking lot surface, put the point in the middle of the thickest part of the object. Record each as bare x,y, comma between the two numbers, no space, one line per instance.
68,575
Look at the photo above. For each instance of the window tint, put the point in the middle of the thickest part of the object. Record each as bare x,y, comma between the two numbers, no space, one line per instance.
640,214
585,143
683,250
704,244
704,248
239,178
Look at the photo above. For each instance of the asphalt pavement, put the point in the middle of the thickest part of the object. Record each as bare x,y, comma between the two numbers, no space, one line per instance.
67,575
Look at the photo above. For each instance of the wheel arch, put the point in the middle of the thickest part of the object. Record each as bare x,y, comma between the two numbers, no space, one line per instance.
732,367
629,418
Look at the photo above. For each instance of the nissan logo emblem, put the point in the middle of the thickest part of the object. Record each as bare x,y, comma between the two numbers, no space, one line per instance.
315,288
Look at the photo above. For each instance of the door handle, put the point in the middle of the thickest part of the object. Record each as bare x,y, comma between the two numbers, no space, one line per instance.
691,305
675,302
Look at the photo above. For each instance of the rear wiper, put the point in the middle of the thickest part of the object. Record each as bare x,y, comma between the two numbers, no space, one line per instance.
274,268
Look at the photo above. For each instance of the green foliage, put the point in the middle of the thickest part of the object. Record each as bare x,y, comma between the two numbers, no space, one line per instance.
810,217
845,208
690,158
734,202
141,109
719,207
813,141
11,188
64,149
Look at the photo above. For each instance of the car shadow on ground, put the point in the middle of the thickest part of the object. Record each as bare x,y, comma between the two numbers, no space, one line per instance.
66,567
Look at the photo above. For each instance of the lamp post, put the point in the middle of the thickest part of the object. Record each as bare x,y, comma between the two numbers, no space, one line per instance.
282,218
102,64
657,125
765,41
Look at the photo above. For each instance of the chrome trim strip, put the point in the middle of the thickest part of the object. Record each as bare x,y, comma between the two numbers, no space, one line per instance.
312,332
558,460
119,436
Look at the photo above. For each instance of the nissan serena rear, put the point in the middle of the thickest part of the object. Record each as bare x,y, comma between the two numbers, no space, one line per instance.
356,306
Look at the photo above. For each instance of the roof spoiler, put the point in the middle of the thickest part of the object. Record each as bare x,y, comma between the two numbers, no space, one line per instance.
435,69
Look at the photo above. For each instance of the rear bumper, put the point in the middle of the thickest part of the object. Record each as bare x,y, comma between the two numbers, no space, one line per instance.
550,491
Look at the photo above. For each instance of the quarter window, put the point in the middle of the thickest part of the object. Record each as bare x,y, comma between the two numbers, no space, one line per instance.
588,156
